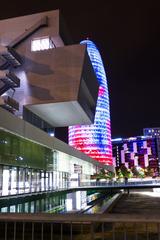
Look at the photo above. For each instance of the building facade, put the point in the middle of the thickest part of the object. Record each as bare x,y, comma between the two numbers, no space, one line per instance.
32,161
154,132
49,82
138,151
42,71
95,140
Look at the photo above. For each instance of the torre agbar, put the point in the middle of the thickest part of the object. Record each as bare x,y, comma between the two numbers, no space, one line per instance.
95,140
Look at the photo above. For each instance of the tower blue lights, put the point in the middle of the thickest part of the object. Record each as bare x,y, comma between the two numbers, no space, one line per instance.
95,139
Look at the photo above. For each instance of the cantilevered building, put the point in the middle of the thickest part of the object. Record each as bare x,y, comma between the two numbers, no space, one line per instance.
95,140
49,82
44,72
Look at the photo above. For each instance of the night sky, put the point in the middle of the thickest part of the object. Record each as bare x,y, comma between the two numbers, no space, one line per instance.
127,34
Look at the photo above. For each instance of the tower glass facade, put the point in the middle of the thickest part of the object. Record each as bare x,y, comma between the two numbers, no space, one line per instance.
95,140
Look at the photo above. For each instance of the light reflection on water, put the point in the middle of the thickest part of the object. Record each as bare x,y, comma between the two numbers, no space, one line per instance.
68,202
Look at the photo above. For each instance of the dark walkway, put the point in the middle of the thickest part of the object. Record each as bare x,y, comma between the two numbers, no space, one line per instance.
138,203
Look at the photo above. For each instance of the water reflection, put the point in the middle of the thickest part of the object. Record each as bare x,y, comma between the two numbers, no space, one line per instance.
98,207
77,201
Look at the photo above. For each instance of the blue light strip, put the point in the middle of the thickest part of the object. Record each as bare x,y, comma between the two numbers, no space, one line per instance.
95,139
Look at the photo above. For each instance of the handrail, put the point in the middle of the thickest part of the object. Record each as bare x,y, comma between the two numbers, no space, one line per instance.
64,218
150,183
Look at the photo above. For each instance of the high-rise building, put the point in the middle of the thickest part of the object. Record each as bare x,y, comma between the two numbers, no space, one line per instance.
154,132
140,151
95,139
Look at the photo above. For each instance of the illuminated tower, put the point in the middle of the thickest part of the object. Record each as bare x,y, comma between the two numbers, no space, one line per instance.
95,140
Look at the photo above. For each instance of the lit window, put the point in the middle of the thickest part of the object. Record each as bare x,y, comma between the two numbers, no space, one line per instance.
51,134
40,44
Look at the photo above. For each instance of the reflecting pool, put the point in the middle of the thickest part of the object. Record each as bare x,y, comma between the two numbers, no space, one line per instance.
72,202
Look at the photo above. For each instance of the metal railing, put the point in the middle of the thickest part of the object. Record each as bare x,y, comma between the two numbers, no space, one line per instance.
122,184
82,186
77,227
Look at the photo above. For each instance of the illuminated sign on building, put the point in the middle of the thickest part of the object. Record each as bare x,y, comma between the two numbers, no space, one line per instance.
95,140
140,151
77,168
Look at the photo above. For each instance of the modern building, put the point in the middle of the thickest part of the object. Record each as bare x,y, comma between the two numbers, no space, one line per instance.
95,139
49,82
154,132
42,72
138,151
32,161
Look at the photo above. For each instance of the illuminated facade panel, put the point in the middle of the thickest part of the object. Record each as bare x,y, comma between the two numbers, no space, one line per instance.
95,140
140,151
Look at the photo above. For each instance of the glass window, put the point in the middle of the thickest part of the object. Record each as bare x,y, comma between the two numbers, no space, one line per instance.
5,180
40,44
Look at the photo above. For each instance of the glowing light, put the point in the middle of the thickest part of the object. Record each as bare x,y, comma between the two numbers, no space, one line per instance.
155,193
116,139
95,140
132,138
40,44
51,134
19,158
69,204
5,182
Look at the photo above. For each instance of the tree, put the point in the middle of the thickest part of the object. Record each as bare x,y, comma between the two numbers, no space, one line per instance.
110,175
138,172
119,173
135,171
149,172
126,172
103,174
